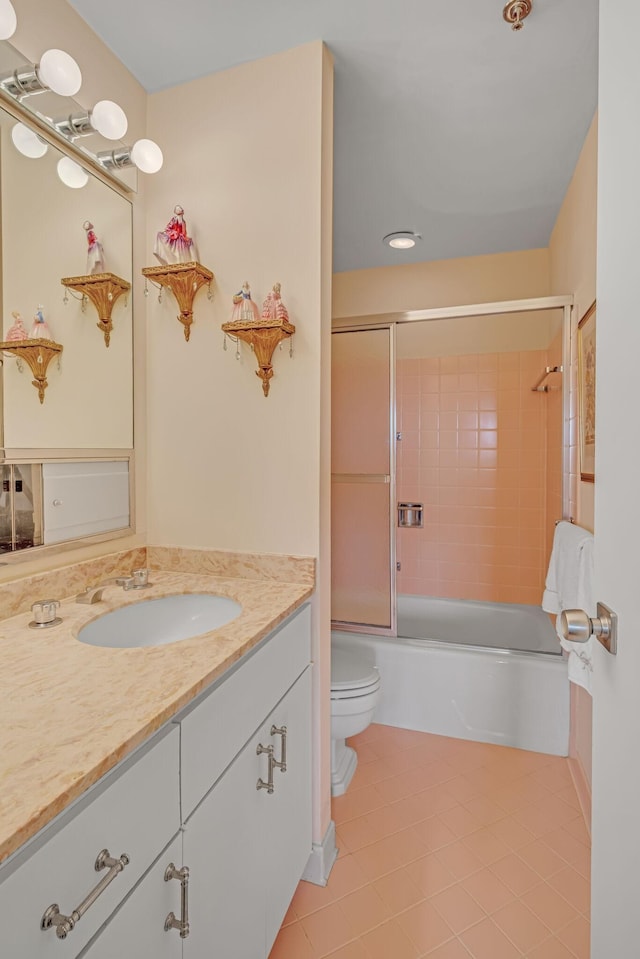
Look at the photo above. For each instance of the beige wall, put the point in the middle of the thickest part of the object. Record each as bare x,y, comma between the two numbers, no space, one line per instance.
421,286
248,156
573,269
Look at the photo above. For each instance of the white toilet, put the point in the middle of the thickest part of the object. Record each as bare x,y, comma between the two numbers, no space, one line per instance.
355,691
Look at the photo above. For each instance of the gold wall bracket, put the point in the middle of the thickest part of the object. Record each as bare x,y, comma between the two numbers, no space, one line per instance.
516,11
37,353
262,336
183,280
103,289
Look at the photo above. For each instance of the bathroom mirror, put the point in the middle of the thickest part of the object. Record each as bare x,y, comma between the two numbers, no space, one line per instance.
88,400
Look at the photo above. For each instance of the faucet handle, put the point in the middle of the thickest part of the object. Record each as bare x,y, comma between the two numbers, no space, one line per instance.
45,614
140,578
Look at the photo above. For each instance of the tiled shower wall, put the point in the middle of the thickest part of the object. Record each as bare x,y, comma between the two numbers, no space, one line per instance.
474,451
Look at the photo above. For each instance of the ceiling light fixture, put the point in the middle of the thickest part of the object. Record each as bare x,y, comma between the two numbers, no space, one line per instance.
106,118
402,239
516,12
146,155
27,142
8,20
57,71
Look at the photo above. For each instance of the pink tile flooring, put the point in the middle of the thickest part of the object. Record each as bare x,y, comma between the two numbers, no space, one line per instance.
449,849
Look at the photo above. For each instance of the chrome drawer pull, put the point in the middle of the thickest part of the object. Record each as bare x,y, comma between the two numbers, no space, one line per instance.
65,924
281,731
182,924
261,784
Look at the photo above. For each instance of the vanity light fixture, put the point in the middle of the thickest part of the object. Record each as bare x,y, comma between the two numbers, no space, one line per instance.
402,239
57,71
145,154
27,142
72,174
8,20
106,118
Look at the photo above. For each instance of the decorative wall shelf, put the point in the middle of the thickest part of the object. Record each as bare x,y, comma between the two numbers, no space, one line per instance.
184,280
103,289
262,336
37,354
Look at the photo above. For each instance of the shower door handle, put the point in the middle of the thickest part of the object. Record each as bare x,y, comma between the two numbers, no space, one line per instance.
578,627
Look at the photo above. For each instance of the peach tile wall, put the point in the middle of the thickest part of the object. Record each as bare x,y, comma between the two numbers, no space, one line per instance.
474,451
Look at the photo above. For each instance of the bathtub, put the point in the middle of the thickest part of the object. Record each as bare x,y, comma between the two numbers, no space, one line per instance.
488,672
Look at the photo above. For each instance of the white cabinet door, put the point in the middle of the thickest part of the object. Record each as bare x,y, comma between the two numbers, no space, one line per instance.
287,828
246,848
136,930
222,841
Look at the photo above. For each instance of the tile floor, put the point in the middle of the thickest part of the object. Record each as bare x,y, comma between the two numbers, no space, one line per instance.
451,850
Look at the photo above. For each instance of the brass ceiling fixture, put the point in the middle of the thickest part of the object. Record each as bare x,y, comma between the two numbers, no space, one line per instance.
516,11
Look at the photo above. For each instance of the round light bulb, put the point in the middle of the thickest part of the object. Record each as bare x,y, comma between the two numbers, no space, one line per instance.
147,156
59,72
109,120
402,243
72,174
27,142
8,20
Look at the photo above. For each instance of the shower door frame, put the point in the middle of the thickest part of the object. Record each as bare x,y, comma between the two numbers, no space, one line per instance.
390,321
392,630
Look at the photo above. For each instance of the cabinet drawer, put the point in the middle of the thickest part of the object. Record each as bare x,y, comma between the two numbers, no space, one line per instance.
134,812
219,726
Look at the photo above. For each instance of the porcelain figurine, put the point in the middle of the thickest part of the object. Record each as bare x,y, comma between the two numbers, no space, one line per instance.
173,245
273,308
40,326
244,309
95,251
17,331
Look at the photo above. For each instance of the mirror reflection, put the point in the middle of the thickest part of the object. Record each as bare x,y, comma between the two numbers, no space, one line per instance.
52,215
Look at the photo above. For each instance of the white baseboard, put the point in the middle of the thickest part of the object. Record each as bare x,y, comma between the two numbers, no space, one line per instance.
323,855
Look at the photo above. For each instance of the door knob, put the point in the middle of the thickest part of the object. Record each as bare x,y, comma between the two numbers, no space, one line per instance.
578,627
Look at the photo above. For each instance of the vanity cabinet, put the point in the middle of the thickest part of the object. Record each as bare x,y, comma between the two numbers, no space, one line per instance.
189,797
134,811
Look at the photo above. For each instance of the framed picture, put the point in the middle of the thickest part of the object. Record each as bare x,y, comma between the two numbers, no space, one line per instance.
587,393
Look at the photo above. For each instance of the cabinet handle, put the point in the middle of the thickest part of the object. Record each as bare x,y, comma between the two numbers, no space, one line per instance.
281,731
182,924
261,784
65,924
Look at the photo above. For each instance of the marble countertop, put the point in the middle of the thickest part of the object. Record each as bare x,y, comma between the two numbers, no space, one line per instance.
70,712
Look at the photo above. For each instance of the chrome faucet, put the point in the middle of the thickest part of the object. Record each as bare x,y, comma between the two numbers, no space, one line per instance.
139,579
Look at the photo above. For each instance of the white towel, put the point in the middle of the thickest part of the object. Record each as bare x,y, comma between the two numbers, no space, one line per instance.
570,585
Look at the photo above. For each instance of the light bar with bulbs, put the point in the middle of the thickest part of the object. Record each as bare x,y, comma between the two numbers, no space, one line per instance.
59,73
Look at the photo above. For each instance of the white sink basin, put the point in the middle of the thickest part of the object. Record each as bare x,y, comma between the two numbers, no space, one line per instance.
156,622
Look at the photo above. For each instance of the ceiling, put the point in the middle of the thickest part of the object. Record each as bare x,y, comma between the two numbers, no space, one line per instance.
447,122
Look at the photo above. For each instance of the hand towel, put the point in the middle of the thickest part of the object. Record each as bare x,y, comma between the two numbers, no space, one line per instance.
570,585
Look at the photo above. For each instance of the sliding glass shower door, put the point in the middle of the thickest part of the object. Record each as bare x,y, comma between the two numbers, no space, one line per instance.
363,554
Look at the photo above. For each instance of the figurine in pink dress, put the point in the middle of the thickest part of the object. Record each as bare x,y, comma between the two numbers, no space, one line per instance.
40,326
244,309
173,245
17,331
273,308
95,252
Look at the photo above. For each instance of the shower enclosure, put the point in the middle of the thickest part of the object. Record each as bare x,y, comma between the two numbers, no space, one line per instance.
451,457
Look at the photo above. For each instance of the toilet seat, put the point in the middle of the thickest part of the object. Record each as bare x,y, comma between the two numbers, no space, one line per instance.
350,677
